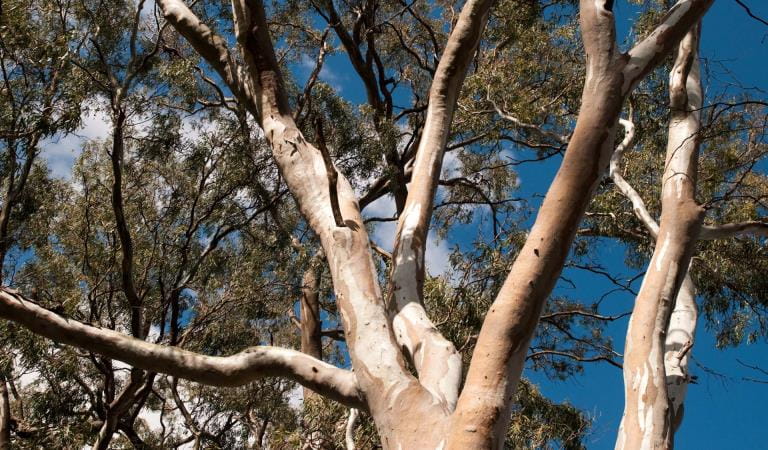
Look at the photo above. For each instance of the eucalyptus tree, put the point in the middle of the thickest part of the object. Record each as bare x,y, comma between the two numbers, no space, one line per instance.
149,159
733,130
407,375
660,336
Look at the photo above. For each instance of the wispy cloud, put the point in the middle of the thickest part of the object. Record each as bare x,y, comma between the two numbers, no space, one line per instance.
327,74
384,232
437,250
61,151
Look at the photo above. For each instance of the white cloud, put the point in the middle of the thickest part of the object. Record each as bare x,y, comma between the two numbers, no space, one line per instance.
152,418
437,250
60,152
27,378
296,398
437,256
335,80
451,165
384,232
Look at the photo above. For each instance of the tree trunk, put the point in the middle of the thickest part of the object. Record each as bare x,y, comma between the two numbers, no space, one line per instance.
116,409
485,405
432,355
648,418
408,412
311,325
312,345
677,348
5,416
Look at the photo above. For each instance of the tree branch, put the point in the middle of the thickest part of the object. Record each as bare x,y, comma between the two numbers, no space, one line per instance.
375,356
575,357
5,415
212,47
349,431
559,138
638,205
651,410
484,408
729,230
236,370
331,171
750,13
306,96
434,357
647,54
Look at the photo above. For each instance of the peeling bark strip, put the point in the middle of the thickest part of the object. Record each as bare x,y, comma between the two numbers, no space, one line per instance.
236,370
434,357
484,407
649,420
332,173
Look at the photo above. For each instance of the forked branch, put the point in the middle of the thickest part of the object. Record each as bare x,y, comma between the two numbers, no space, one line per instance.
435,358
638,205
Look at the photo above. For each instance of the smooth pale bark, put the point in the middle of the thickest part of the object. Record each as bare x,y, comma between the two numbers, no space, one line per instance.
434,357
681,331
349,431
682,322
408,413
648,420
484,407
638,205
236,370
403,410
729,230
395,398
